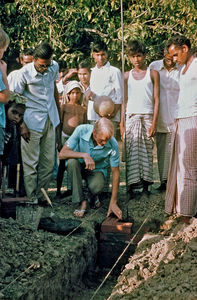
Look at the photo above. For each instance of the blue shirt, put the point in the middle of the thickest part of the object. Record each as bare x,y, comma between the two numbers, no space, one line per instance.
39,90
2,107
103,156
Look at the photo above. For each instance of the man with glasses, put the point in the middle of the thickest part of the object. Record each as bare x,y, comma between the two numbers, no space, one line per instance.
36,81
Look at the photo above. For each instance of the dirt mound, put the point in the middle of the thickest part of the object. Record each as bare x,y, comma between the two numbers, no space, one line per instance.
163,267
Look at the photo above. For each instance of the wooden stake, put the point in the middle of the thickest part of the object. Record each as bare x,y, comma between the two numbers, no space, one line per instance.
46,197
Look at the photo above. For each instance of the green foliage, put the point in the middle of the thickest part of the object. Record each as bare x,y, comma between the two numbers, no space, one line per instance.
71,25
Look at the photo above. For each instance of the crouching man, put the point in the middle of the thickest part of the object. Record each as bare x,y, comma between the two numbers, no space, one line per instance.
89,151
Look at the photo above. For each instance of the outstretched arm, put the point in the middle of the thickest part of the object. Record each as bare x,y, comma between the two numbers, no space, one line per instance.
113,207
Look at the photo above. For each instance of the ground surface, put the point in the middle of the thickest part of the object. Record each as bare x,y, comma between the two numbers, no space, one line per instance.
163,266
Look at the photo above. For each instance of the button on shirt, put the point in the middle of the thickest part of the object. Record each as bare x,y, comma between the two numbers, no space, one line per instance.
106,81
2,107
103,156
169,93
39,90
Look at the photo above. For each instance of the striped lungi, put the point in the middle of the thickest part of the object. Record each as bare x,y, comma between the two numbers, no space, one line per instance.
163,142
181,194
139,149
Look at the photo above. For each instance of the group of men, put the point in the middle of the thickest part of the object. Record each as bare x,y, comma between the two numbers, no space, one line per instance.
92,149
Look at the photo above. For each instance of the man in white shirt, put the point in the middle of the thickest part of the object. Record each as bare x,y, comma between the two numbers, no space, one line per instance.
105,80
26,56
169,91
37,82
181,193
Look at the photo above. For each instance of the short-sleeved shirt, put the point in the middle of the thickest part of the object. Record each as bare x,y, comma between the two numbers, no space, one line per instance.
103,156
106,81
12,78
169,93
39,90
2,107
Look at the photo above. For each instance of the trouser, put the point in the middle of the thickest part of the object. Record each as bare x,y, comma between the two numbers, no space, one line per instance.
38,160
76,172
163,142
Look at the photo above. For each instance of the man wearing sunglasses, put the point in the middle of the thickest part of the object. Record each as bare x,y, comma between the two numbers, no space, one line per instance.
36,81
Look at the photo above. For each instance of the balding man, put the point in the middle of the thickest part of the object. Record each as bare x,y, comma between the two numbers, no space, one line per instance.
89,152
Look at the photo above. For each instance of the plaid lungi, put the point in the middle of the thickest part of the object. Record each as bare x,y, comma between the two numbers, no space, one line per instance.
139,149
181,194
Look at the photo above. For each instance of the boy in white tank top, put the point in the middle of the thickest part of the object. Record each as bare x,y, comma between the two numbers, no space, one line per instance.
142,107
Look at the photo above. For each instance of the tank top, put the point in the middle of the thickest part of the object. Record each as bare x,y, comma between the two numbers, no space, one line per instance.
140,94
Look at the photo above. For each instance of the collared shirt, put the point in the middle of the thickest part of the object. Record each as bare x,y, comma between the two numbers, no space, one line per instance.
187,102
106,81
39,90
2,107
103,156
169,93
12,79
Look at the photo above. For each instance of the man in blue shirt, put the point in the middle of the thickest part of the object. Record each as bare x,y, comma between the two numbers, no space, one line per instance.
89,151
37,82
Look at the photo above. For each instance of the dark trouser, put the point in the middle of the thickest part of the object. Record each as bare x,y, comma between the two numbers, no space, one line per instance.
76,172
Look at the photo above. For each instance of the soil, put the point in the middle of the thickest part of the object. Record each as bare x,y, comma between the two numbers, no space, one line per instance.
163,265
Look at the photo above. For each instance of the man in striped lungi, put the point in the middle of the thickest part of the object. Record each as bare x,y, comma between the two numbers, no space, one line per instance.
181,194
141,118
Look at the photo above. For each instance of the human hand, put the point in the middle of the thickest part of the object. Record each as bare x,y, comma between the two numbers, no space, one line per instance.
151,131
59,146
89,94
113,208
25,132
89,162
71,72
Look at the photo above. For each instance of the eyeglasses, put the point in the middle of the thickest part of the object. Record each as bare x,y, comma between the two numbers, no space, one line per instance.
46,66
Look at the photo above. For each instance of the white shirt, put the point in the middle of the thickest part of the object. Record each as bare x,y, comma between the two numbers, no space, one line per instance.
39,90
169,92
12,77
187,102
106,81
140,94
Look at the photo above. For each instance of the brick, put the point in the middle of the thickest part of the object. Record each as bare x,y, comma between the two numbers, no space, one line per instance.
112,224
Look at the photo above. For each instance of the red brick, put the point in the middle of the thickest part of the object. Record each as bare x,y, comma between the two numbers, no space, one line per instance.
112,224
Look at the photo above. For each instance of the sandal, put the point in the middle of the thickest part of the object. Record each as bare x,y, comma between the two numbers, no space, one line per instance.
80,212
